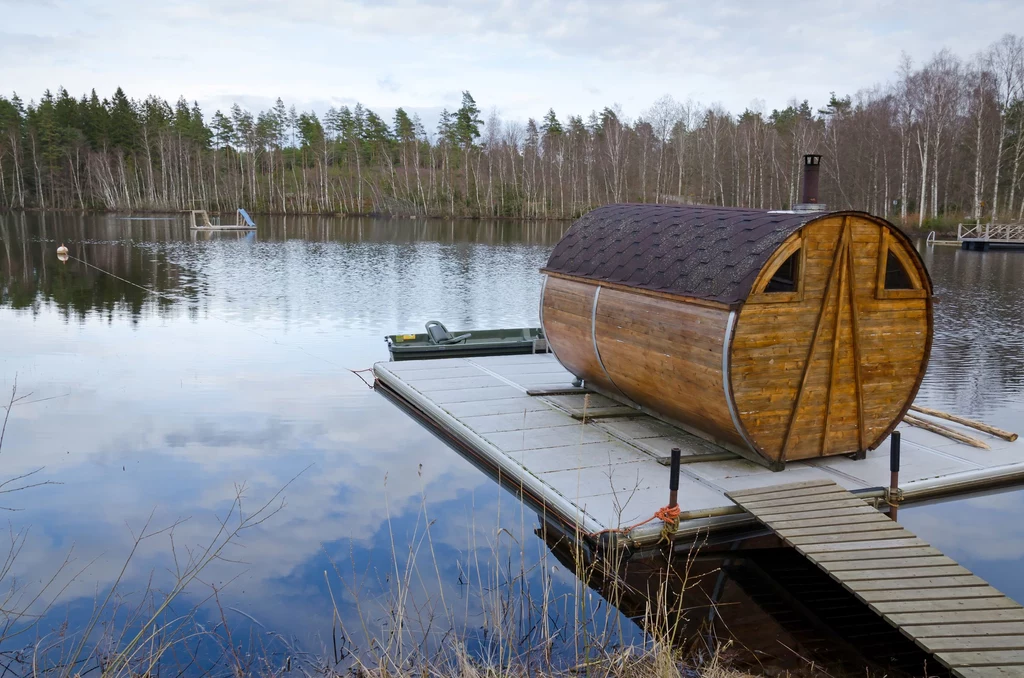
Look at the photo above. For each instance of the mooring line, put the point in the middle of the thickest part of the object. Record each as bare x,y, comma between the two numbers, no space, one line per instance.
177,299
114,275
359,373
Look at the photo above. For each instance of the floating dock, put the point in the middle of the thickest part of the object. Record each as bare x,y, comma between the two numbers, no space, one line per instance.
969,626
599,467
982,237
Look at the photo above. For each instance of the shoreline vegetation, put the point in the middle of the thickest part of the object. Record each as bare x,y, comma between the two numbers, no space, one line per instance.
943,225
941,142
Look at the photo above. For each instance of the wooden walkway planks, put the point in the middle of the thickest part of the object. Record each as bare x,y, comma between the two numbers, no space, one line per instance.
966,624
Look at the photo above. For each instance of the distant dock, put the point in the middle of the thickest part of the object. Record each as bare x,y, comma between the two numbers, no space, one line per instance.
982,237
244,222
599,467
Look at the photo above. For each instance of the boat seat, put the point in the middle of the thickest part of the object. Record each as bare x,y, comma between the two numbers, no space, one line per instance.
439,334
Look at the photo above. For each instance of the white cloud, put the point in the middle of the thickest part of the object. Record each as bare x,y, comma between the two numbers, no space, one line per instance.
519,57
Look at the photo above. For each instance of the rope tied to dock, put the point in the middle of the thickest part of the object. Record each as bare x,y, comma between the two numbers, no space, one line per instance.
359,373
668,515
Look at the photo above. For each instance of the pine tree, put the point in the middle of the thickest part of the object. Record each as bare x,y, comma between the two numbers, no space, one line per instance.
182,118
355,134
532,134
96,121
467,130
446,128
293,122
376,131
311,131
405,130
198,131
467,122
243,127
277,122
551,127
223,130
124,122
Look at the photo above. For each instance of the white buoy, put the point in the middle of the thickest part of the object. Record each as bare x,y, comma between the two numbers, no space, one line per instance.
62,250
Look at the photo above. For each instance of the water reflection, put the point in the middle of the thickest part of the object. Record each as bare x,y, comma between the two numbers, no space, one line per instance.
766,605
977,364
977,370
32,275
236,372
362,272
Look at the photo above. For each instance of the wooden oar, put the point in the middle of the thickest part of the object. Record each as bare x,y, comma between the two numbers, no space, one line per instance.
944,431
985,428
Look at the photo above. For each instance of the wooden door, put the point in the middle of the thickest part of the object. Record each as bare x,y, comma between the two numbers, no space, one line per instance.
827,412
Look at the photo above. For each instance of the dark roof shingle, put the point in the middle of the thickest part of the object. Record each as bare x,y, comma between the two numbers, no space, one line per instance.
712,253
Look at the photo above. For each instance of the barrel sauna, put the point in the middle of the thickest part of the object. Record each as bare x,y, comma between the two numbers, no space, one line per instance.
779,335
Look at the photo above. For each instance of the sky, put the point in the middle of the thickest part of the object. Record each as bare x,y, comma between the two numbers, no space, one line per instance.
516,58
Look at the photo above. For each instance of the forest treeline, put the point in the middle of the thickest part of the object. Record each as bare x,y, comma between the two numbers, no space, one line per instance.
943,139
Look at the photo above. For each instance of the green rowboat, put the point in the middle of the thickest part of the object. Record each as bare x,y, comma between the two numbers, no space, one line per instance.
438,342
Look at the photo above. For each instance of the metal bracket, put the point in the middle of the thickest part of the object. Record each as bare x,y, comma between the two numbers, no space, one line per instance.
893,495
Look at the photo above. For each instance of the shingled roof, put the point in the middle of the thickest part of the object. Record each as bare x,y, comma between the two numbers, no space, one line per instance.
712,253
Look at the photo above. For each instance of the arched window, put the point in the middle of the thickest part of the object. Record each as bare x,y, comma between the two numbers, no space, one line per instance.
896,277
787,276
780,280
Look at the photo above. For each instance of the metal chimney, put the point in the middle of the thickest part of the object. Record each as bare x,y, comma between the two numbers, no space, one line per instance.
812,167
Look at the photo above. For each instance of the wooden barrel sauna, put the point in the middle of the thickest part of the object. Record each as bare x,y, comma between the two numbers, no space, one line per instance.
780,335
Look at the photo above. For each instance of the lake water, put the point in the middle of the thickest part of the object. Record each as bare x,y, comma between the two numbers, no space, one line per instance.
237,374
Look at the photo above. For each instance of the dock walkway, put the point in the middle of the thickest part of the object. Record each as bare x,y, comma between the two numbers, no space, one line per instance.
607,472
968,625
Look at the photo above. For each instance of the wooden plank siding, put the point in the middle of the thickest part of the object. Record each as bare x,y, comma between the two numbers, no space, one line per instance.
645,349
969,626
568,312
665,352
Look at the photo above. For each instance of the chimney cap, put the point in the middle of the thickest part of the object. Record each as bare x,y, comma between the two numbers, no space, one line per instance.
812,159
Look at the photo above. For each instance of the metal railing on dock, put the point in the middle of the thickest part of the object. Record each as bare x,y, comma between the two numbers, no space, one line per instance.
982,236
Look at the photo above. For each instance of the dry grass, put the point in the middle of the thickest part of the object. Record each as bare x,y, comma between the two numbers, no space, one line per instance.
119,638
511,618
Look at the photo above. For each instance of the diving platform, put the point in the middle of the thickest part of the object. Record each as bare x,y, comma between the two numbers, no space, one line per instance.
243,222
600,468
985,236
966,624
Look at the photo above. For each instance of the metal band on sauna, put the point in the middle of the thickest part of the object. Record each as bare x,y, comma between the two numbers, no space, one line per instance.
593,338
730,327
543,289
543,286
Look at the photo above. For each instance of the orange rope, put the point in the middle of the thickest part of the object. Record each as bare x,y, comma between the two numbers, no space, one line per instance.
666,514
